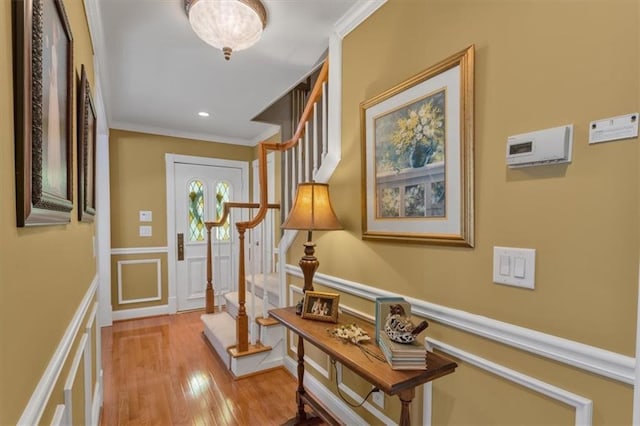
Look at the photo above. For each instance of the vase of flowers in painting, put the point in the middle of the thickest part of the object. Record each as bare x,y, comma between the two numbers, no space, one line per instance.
419,134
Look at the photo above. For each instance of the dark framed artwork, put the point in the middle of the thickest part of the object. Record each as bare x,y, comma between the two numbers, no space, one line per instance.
417,146
86,151
43,93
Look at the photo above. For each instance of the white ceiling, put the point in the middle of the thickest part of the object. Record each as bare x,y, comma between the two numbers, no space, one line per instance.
157,74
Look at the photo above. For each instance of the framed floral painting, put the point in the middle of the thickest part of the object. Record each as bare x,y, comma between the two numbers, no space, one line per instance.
417,157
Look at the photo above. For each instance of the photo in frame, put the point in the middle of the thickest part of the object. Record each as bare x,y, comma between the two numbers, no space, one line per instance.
417,157
87,133
320,306
43,93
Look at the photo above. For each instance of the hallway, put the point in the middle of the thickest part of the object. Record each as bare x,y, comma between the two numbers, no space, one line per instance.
161,371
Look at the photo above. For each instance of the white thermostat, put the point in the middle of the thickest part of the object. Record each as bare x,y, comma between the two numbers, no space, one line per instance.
549,146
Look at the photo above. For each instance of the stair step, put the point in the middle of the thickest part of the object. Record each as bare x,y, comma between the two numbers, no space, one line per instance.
267,322
220,331
232,304
269,281
253,349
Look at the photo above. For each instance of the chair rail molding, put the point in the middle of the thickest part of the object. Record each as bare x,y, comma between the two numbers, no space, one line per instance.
590,358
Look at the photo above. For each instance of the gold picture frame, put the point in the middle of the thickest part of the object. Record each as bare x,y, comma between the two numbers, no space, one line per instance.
320,306
417,157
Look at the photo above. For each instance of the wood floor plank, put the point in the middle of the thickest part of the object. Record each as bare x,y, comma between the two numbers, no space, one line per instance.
161,371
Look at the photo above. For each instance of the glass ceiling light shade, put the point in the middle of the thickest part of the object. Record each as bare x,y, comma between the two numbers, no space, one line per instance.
229,25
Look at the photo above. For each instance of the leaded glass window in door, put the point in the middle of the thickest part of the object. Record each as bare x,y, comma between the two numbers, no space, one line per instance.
222,196
196,211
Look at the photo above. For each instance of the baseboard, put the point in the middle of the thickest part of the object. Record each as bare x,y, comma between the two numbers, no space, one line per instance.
151,311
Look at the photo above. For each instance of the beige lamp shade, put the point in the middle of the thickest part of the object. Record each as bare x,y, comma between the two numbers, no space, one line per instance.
312,209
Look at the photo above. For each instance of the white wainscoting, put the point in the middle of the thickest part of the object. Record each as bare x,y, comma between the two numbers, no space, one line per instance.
590,358
81,353
34,409
125,314
582,405
158,296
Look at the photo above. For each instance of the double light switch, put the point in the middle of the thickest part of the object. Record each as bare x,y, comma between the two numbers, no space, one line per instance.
514,266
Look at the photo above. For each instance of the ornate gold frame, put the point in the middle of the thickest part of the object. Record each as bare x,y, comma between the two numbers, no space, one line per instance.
459,230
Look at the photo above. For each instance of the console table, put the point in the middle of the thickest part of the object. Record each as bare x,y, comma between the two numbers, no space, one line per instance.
374,371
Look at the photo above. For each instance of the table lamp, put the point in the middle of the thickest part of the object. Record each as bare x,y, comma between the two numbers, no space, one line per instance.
311,211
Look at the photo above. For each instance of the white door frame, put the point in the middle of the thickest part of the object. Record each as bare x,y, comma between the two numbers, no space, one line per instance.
170,161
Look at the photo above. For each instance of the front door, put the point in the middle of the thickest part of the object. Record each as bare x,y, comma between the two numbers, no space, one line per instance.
200,191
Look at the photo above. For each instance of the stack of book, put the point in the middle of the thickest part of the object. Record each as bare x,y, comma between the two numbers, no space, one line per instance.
403,356
400,356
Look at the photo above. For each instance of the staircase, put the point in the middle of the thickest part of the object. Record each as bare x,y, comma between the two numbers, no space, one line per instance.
241,332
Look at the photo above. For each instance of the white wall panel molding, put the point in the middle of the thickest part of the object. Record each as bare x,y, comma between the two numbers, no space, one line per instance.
338,407
88,367
583,406
81,353
139,250
158,296
37,403
151,311
596,360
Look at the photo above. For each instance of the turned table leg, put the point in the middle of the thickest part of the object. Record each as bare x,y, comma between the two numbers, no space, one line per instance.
406,396
302,416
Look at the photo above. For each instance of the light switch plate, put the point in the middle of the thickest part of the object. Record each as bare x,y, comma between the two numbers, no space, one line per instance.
146,216
145,231
521,268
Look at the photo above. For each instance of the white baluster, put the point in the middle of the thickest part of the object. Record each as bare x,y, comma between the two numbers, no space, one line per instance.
315,140
325,124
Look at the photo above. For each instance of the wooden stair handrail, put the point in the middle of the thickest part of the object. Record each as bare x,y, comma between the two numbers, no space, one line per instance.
242,323
265,146
226,209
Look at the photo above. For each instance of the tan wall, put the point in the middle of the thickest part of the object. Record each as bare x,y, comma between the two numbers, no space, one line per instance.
138,182
539,64
44,271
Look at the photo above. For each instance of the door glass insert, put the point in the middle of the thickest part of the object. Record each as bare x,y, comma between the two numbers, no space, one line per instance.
196,211
222,196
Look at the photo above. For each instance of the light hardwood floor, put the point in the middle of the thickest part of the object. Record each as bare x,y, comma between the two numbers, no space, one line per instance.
161,371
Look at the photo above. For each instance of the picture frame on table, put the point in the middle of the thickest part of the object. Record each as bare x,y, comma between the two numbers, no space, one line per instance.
320,306
43,98
417,157
87,134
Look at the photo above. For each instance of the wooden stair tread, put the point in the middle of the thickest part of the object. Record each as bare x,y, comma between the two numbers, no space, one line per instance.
253,349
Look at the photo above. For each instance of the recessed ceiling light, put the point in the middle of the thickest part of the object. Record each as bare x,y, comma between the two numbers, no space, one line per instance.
203,114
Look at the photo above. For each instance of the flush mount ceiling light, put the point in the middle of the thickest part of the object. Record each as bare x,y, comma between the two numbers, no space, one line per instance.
229,25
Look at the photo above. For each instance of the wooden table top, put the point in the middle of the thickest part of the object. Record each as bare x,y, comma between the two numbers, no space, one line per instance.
375,371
